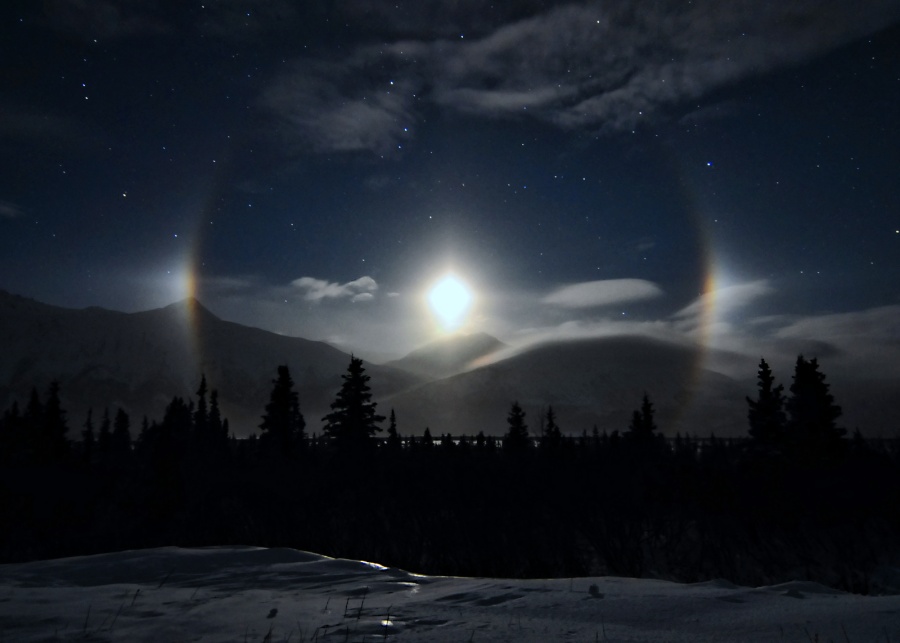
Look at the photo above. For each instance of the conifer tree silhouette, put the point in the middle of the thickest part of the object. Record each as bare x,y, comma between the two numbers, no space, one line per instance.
218,432
642,427
13,446
201,414
283,427
121,436
353,421
552,437
88,439
46,426
812,414
104,438
393,440
516,438
766,413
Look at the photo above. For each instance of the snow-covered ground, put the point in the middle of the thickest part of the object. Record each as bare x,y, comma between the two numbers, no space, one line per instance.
255,594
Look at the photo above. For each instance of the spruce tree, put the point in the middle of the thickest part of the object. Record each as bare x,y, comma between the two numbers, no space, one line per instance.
393,440
88,439
201,414
104,438
552,437
217,431
121,436
642,428
283,427
427,440
54,425
766,413
516,438
812,414
353,421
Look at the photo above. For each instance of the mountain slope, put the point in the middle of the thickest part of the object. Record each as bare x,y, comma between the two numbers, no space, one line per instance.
141,360
449,356
588,382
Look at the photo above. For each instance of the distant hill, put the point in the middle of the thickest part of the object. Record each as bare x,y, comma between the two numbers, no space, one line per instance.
588,382
449,356
141,360
463,384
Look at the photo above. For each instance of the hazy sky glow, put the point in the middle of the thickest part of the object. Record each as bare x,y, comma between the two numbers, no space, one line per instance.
715,171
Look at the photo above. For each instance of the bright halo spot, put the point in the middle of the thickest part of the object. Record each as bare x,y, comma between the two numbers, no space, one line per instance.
450,299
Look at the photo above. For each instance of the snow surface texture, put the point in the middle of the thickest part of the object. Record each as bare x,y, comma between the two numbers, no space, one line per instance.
255,594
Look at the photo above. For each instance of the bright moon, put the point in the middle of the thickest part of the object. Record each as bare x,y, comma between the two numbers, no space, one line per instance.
449,299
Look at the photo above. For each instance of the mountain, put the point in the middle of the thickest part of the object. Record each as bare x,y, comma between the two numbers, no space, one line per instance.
139,361
463,384
449,356
588,382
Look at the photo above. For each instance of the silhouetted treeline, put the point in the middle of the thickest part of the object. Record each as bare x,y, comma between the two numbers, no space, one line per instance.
796,498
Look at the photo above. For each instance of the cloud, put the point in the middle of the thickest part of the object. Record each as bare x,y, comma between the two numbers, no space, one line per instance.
438,18
870,336
318,289
876,325
593,294
593,66
612,65
722,301
361,104
9,210
228,285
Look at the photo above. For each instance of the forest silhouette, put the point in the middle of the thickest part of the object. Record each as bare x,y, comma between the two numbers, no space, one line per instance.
795,498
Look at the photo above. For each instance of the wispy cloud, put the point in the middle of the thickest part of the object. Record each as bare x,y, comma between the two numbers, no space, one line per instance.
9,210
593,294
361,289
611,66
364,103
579,66
723,301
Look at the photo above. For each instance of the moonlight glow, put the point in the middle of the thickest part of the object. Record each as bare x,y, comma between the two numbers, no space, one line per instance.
450,299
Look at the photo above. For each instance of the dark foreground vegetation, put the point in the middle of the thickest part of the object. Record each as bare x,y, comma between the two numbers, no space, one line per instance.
797,498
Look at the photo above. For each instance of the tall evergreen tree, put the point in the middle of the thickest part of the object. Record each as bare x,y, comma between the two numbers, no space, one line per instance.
30,429
516,438
283,427
201,413
88,439
393,440
812,414
218,428
353,421
34,411
766,413
104,438
121,436
55,426
552,436
642,428
11,434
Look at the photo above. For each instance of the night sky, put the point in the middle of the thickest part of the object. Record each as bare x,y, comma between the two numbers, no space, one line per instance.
723,171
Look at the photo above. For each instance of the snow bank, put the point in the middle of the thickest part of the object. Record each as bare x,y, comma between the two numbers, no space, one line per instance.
256,594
